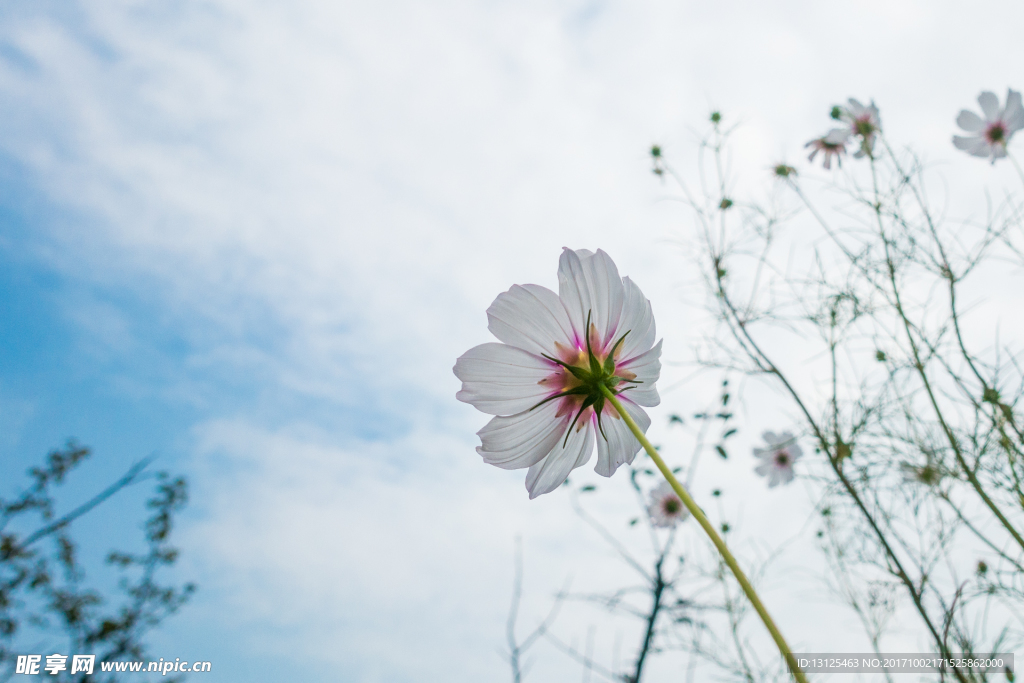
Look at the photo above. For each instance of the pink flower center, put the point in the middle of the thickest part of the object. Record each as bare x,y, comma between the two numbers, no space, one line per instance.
996,133
782,458
562,379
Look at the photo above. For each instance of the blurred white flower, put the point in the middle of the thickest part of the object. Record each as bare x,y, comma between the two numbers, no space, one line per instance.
864,122
544,381
994,131
666,509
778,458
831,145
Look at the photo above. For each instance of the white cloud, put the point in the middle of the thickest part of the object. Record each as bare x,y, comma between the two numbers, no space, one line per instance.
367,563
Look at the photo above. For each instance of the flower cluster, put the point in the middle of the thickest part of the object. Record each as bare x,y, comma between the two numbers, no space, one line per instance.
778,457
989,135
546,382
861,123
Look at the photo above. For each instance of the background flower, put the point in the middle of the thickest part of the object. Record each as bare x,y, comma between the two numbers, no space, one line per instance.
992,133
666,509
778,457
831,145
864,122
542,381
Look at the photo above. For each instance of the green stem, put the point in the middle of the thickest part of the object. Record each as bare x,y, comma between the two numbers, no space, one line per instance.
1013,159
702,519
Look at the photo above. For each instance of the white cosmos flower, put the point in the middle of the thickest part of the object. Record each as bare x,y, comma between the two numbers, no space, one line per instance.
994,131
543,382
864,122
833,144
778,458
666,509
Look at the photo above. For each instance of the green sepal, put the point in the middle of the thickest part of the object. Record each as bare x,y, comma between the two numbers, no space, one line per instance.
598,409
587,402
609,362
578,373
577,391
595,366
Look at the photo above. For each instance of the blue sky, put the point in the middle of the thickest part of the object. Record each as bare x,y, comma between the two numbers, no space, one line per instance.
252,238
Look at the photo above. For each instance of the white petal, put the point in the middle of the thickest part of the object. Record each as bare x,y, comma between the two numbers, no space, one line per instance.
785,475
621,446
548,474
980,148
1013,114
518,441
856,108
637,319
838,136
764,468
970,121
873,112
795,451
964,143
530,317
589,283
647,368
502,380
989,105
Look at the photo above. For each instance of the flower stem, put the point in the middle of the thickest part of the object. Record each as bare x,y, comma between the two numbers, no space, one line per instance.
723,549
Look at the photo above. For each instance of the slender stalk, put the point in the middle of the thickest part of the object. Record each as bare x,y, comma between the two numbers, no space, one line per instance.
919,366
750,346
719,544
1020,173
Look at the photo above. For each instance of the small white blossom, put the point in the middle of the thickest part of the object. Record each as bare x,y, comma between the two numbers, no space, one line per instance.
778,457
992,133
831,145
666,509
864,122
544,382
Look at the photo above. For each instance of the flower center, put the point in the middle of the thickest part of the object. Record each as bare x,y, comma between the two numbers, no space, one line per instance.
996,133
671,505
782,458
584,375
863,126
